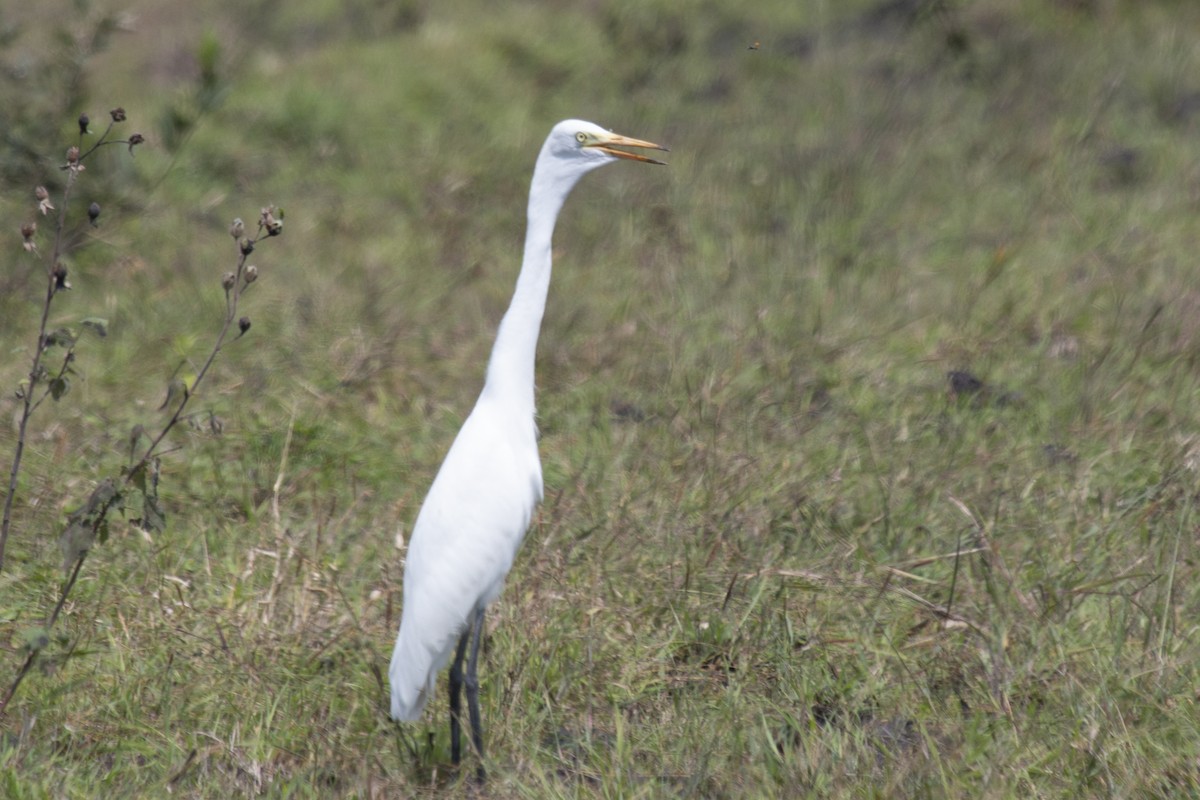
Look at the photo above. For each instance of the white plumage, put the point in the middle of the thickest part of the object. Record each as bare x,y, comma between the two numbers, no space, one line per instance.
481,502
461,568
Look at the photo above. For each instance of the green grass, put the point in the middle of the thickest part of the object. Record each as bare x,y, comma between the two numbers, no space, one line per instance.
757,476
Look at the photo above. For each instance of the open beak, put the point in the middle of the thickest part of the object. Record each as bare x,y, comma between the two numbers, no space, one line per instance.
610,142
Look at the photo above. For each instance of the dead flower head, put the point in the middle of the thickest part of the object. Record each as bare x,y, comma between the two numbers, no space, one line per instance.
269,222
28,230
43,198
73,162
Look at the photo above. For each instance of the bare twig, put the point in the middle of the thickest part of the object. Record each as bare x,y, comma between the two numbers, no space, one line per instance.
35,369
31,657
993,556
179,773
277,575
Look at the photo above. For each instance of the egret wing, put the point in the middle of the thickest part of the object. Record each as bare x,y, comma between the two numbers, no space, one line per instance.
462,547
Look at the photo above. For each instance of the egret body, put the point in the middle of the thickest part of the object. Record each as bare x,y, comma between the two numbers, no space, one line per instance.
481,501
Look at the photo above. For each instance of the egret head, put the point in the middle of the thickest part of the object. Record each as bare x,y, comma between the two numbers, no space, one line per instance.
587,145
573,149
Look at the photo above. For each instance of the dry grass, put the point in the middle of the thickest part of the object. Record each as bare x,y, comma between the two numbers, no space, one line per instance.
783,552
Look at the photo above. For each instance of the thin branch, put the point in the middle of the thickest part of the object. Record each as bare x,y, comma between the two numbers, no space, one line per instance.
31,657
232,296
35,369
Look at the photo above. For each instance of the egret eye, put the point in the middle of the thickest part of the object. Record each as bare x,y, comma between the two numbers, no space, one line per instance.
581,137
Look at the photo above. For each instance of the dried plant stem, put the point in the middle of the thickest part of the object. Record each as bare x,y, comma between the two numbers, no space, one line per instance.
277,576
97,517
53,282
230,313
231,303
28,405
32,655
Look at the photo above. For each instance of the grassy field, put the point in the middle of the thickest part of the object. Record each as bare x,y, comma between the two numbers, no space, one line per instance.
869,424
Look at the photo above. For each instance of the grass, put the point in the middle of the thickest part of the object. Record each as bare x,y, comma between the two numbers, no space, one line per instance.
743,581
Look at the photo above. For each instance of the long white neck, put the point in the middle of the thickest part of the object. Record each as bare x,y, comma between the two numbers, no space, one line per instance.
510,374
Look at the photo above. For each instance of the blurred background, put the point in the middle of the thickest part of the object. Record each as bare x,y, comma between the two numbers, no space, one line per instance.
869,423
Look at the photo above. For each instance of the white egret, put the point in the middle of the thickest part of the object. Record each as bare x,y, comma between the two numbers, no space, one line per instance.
480,504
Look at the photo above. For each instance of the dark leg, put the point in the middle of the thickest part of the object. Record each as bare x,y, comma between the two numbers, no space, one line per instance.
472,683
456,683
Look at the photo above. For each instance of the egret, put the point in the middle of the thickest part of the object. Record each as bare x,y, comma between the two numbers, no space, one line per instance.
482,499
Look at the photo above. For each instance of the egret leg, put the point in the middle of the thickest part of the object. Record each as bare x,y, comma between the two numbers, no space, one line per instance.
472,683
456,684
